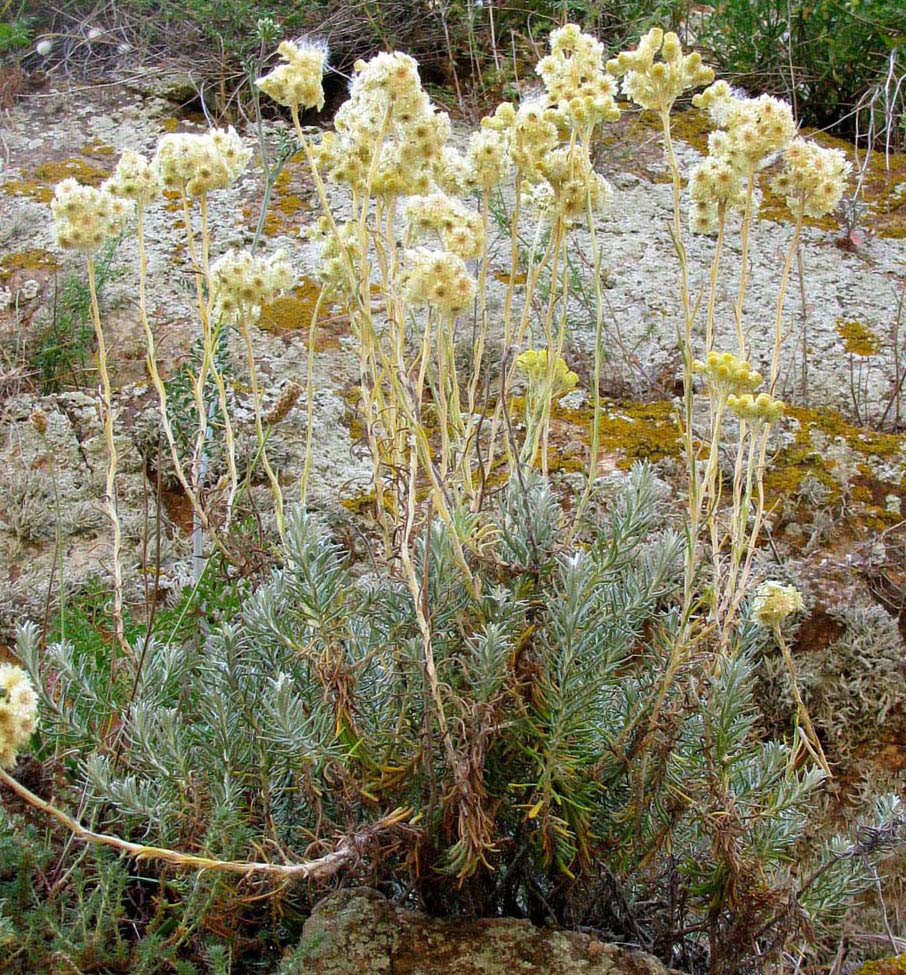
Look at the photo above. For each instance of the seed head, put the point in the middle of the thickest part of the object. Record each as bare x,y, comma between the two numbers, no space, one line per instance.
198,164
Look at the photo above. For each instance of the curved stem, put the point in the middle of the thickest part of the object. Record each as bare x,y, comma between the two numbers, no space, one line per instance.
324,866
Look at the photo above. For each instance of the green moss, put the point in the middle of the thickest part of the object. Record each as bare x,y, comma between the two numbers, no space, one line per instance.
858,338
28,260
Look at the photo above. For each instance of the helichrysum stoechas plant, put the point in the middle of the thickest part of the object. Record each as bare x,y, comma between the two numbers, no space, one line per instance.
18,712
311,713
298,81
542,702
84,218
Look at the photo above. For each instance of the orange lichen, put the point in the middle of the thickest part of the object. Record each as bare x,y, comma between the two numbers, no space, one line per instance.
293,312
858,338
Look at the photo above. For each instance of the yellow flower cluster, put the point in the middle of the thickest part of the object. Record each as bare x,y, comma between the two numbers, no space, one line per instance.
534,366
438,279
575,79
812,177
774,602
460,229
387,112
18,712
531,133
762,408
751,130
486,160
134,179
198,164
85,216
297,82
575,184
242,283
725,373
657,84
714,184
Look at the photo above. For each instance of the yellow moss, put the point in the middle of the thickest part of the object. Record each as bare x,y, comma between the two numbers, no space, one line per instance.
170,124
858,338
859,439
504,277
29,260
174,201
292,312
40,182
99,150
886,966
291,204
636,431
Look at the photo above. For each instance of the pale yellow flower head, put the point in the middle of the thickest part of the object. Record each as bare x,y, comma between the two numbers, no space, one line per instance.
812,177
762,408
727,374
774,602
533,364
199,164
438,279
134,179
84,216
715,184
458,228
388,114
575,78
337,255
657,84
486,160
18,712
575,184
243,283
298,82
752,130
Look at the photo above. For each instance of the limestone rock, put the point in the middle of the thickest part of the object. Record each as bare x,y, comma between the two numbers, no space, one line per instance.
359,932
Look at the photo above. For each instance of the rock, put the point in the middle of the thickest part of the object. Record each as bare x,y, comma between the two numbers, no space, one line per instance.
177,87
359,932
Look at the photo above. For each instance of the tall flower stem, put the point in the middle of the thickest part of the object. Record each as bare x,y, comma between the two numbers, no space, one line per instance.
781,296
158,383
695,486
110,481
809,737
309,394
259,426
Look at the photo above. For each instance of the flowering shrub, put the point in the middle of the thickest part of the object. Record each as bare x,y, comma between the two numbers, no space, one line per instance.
520,699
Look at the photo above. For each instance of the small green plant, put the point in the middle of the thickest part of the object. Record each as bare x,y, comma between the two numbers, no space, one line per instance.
15,33
824,56
67,344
